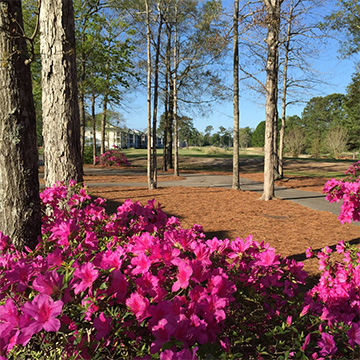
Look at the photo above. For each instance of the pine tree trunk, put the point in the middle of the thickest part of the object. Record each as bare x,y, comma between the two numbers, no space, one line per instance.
176,133
236,178
156,96
167,96
103,126
82,123
82,104
93,118
273,18
169,151
149,137
284,94
61,124
20,214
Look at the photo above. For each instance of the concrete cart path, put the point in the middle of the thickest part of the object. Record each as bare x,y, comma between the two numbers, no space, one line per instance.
312,200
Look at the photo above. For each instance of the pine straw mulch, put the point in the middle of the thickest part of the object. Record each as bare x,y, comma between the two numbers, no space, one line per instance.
289,228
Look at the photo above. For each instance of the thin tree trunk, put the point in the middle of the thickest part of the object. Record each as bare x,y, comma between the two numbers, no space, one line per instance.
176,134
167,94
20,214
283,109
156,92
93,117
170,126
82,123
236,177
149,137
82,103
273,14
275,130
103,125
61,123
164,162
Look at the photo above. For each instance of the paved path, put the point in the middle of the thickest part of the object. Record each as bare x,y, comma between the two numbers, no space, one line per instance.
312,200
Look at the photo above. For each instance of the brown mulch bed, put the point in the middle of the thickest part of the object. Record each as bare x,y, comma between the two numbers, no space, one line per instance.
225,213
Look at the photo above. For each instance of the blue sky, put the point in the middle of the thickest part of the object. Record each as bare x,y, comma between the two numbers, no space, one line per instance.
335,74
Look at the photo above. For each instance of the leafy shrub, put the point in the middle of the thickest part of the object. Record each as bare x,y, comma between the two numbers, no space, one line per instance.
88,154
112,157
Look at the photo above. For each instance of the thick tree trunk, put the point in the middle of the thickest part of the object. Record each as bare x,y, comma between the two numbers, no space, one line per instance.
20,215
236,177
61,124
273,19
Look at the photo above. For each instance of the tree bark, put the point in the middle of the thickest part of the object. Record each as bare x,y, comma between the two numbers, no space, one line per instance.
167,96
60,108
20,214
82,102
103,125
272,40
149,137
93,118
284,94
169,152
156,97
236,177
275,126
176,132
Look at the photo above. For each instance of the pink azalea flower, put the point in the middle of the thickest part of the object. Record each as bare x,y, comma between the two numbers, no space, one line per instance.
20,275
111,260
183,277
309,252
138,304
43,310
87,274
119,285
8,317
55,258
267,258
327,344
306,342
64,230
49,283
354,335
142,263
102,325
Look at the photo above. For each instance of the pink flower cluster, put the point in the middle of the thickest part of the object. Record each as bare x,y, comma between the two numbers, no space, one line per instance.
112,157
134,284
334,302
348,190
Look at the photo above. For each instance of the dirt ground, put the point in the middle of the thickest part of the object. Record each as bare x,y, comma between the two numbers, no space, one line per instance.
226,213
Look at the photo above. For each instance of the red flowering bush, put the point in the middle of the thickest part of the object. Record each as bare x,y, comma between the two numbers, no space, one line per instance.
112,157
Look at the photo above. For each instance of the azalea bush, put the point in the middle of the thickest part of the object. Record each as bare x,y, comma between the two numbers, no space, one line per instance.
347,190
136,285
113,157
